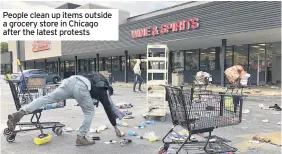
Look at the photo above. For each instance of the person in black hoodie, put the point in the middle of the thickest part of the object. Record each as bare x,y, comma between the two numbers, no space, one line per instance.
81,88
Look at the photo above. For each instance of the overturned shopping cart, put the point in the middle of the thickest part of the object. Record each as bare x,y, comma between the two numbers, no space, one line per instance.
212,111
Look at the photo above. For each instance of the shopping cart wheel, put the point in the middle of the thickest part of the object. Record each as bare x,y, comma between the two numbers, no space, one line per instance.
11,137
7,131
58,131
163,118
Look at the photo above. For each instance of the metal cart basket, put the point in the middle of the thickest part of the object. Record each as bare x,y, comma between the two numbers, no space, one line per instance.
31,89
212,111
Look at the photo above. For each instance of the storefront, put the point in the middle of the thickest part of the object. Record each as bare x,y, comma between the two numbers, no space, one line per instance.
208,36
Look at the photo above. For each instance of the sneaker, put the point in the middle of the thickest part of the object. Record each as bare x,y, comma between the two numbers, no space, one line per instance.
83,141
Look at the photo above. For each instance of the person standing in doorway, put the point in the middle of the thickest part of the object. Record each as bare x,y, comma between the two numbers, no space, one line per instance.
137,75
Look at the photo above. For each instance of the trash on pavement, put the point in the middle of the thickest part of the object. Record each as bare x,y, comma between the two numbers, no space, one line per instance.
96,138
151,136
102,127
279,123
262,107
110,142
261,139
124,142
252,141
122,124
150,122
246,111
132,133
68,129
265,121
276,112
276,107
128,117
140,137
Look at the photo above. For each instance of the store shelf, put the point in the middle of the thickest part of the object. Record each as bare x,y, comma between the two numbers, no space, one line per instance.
157,59
156,71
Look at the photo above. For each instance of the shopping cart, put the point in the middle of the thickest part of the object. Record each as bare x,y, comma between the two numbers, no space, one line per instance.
25,94
216,110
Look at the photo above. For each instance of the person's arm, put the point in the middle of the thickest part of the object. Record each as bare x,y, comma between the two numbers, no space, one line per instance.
104,99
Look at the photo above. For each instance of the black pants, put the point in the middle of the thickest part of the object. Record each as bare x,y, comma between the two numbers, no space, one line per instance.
137,78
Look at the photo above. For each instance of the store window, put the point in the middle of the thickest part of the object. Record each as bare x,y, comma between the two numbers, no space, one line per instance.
229,57
257,57
108,62
115,64
178,61
241,55
209,60
123,63
192,60
91,68
273,51
143,62
87,65
81,66
101,64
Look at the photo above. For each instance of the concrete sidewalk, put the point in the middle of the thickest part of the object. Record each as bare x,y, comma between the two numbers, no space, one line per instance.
253,91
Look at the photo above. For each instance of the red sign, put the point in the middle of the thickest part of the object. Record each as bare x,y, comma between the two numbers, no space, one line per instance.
40,45
176,26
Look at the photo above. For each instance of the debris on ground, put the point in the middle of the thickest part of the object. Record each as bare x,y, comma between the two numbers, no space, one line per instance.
68,129
265,121
246,111
124,142
140,137
252,141
276,112
261,139
150,122
128,117
110,142
122,124
151,136
279,123
275,107
132,133
96,138
124,106
262,107
126,112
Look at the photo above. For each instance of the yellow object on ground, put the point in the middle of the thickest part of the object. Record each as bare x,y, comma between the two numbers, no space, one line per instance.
8,76
275,138
43,140
153,139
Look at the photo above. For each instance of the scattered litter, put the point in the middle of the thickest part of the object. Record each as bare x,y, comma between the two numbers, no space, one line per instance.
124,142
150,122
276,107
68,129
122,124
261,139
91,130
132,133
128,117
279,123
140,137
251,148
251,141
212,140
151,136
126,112
102,127
265,121
124,106
96,138
262,107
110,142
246,111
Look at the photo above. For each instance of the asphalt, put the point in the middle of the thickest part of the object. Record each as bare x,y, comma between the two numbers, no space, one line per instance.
72,116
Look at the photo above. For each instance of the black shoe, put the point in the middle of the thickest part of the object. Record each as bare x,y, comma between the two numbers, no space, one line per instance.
276,107
14,118
140,90
134,91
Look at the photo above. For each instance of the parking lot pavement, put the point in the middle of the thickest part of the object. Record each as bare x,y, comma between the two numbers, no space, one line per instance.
71,116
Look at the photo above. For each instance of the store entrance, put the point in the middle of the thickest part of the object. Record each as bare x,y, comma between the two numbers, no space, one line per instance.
69,69
273,73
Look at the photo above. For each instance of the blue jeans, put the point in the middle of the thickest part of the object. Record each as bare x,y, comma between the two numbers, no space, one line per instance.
71,88
137,78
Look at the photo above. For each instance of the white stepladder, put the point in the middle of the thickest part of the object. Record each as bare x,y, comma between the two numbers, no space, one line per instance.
157,74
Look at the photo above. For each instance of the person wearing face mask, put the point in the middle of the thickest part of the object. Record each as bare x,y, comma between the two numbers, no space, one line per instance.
81,88
137,75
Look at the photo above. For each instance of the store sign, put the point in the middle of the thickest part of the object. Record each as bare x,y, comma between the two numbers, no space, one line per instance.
40,45
181,25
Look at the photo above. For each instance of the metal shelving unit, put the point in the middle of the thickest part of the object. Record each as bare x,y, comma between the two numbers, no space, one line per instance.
157,74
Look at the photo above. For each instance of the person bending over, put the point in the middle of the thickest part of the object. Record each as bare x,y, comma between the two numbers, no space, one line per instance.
83,90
